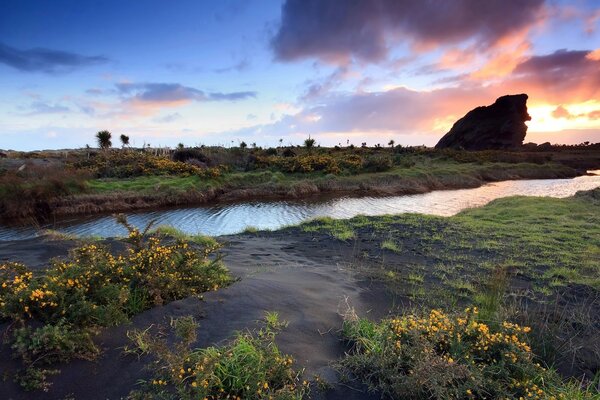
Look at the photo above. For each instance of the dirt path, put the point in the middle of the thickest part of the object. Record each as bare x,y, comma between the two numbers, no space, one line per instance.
277,274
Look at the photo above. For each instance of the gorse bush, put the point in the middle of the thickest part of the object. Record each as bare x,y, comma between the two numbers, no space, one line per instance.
118,164
249,367
439,356
94,288
330,164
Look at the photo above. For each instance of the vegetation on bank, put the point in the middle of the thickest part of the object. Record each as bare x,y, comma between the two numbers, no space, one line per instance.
38,188
441,356
249,366
54,316
529,260
553,241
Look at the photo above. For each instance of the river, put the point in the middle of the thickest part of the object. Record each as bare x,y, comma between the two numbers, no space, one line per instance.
224,219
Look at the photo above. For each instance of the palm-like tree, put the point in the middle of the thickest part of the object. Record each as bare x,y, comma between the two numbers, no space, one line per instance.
391,143
309,143
103,138
124,140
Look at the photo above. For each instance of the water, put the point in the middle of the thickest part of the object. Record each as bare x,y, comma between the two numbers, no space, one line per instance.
227,219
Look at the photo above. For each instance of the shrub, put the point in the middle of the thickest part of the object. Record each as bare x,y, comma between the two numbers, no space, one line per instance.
182,155
248,367
131,164
94,288
378,163
30,192
438,356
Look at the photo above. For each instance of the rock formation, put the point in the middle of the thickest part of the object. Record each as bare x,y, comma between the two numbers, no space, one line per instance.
498,126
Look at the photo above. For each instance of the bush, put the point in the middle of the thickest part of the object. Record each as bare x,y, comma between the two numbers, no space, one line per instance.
94,288
248,367
183,155
378,163
129,164
446,357
29,192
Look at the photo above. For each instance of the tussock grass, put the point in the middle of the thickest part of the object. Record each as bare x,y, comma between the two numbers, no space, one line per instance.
249,366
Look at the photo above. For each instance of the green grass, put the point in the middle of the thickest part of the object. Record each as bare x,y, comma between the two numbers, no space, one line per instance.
203,240
424,170
548,239
249,366
391,246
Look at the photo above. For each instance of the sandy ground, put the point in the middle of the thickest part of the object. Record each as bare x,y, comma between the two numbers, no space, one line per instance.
278,272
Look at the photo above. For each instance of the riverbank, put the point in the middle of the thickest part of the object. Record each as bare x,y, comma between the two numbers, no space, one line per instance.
146,193
529,260
79,182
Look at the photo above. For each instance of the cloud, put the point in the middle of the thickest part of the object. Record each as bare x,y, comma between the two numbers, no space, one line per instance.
240,66
174,93
562,113
559,77
168,118
40,107
46,60
339,31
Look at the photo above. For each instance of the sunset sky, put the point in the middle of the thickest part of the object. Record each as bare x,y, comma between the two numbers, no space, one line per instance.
220,72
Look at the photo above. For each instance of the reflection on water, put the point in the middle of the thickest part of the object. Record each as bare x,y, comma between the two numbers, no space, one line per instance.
233,218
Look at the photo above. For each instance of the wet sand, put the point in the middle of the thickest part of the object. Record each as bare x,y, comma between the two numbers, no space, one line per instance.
278,272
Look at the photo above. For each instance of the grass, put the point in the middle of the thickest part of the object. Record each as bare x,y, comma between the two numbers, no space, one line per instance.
171,231
249,366
391,246
547,239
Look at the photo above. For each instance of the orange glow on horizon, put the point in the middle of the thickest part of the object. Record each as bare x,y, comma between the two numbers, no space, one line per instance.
580,116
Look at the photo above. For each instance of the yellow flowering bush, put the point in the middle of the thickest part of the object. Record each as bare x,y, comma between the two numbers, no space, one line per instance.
134,163
440,356
249,367
94,288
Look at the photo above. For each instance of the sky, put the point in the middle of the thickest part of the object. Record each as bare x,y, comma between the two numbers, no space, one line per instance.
277,71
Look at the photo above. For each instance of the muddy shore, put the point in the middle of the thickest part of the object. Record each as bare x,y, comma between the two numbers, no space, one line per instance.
276,275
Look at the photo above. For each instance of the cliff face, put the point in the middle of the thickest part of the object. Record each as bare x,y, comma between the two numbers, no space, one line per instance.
498,126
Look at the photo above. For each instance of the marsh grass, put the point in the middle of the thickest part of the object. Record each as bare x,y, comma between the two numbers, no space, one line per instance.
202,240
391,246
248,366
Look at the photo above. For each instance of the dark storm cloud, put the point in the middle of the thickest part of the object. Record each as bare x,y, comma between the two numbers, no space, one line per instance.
45,60
565,75
174,92
560,61
336,31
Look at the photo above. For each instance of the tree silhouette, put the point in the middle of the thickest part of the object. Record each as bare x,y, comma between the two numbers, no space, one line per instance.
124,140
243,145
103,138
391,143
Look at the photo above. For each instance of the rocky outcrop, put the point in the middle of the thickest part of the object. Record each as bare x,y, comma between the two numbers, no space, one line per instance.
498,126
